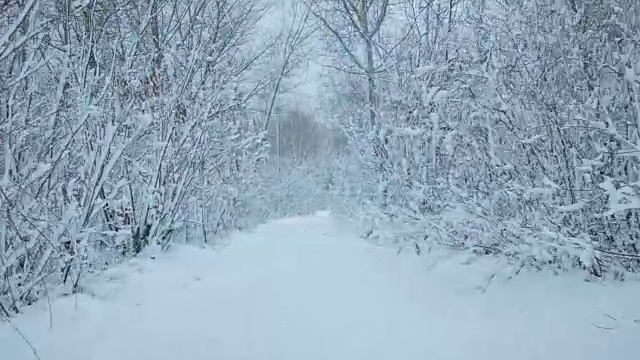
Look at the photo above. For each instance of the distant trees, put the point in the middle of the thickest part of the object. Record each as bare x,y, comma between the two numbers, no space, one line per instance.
355,23
292,43
298,136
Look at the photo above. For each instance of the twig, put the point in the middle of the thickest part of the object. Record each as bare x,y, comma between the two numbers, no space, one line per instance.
603,327
484,288
46,289
33,349
614,253
4,310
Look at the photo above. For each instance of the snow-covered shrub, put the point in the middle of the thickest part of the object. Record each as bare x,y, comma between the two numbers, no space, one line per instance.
515,133
122,126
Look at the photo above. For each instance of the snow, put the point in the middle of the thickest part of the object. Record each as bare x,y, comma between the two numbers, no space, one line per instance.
309,288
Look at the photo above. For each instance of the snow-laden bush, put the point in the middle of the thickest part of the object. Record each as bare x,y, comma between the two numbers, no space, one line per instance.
124,125
514,134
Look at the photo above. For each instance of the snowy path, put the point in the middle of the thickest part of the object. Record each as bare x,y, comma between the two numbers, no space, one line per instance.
306,289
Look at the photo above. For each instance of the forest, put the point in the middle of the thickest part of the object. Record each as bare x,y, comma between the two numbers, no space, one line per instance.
509,128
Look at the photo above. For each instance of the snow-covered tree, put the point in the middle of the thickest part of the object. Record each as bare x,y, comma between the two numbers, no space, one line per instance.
125,124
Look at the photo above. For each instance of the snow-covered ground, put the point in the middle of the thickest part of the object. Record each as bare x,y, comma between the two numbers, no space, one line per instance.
308,288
